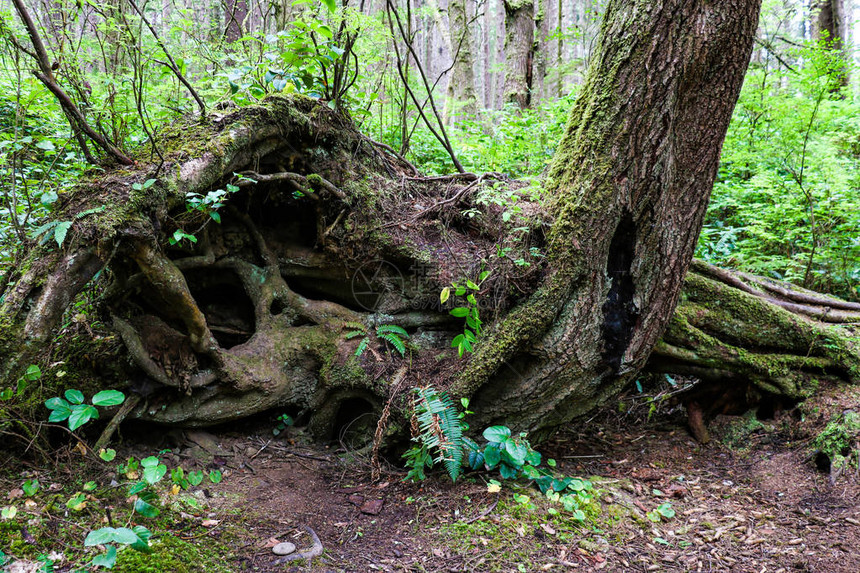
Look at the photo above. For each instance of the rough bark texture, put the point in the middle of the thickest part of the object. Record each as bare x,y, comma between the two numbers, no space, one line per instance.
327,236
462,98
631,179
519,40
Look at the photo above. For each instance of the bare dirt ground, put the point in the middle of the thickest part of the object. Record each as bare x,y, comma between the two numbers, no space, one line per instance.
751,501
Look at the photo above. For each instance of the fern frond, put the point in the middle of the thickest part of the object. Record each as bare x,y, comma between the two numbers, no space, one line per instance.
362,346
391,328
440,428
353,334
395,341
355,326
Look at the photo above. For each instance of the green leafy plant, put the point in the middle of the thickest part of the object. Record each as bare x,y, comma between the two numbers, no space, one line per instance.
59,229
391,333
282,422
30,487
469,310
437,427
73,408
32,374
136,537
662,511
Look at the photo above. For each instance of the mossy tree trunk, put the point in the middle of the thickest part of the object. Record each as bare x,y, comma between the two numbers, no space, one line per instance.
327,236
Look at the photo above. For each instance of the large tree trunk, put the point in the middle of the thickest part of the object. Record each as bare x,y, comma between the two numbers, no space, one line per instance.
830,24
462,100
335,235
519,40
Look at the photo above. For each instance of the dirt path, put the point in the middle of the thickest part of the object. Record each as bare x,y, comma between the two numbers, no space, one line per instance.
750,501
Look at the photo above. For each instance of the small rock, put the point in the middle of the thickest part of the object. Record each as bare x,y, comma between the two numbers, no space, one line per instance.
284,548
356,499
372,506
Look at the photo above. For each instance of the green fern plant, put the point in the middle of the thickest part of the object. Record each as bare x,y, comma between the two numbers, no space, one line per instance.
391,333
437,427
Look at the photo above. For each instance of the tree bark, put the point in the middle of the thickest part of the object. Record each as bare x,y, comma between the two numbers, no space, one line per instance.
235,13
830,25
519,40
327,236
462,99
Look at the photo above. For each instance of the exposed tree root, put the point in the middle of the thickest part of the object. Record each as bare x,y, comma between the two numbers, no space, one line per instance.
255,315
751,347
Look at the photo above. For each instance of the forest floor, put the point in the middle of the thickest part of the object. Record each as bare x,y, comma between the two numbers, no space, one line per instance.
751,501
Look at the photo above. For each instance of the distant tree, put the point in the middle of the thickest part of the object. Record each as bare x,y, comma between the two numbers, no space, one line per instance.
519,51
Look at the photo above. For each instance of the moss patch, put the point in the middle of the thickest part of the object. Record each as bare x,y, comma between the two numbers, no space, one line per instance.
176,555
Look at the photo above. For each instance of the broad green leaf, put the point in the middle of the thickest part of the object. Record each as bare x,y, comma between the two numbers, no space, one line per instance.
507,471
74,396
497,433
30,487
533,457
106,560
142,543
77,502
195,477
515,452
149,462
330,4
492,456
136,488
577,484
56,403
561,484
59,415
108,398
444,295
81,414
33,373
215,476
153,474
107,454
459,312
124,535
9,512
99,536
145,509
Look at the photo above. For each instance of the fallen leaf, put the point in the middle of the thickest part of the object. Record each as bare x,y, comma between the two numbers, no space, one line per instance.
210,522
547,528
15,493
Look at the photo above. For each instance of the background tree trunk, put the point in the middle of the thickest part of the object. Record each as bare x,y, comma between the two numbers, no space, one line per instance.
519,44
235,13
462,99
830,21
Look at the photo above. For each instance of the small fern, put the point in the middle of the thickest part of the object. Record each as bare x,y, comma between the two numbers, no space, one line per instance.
390,333
362,346
439,428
